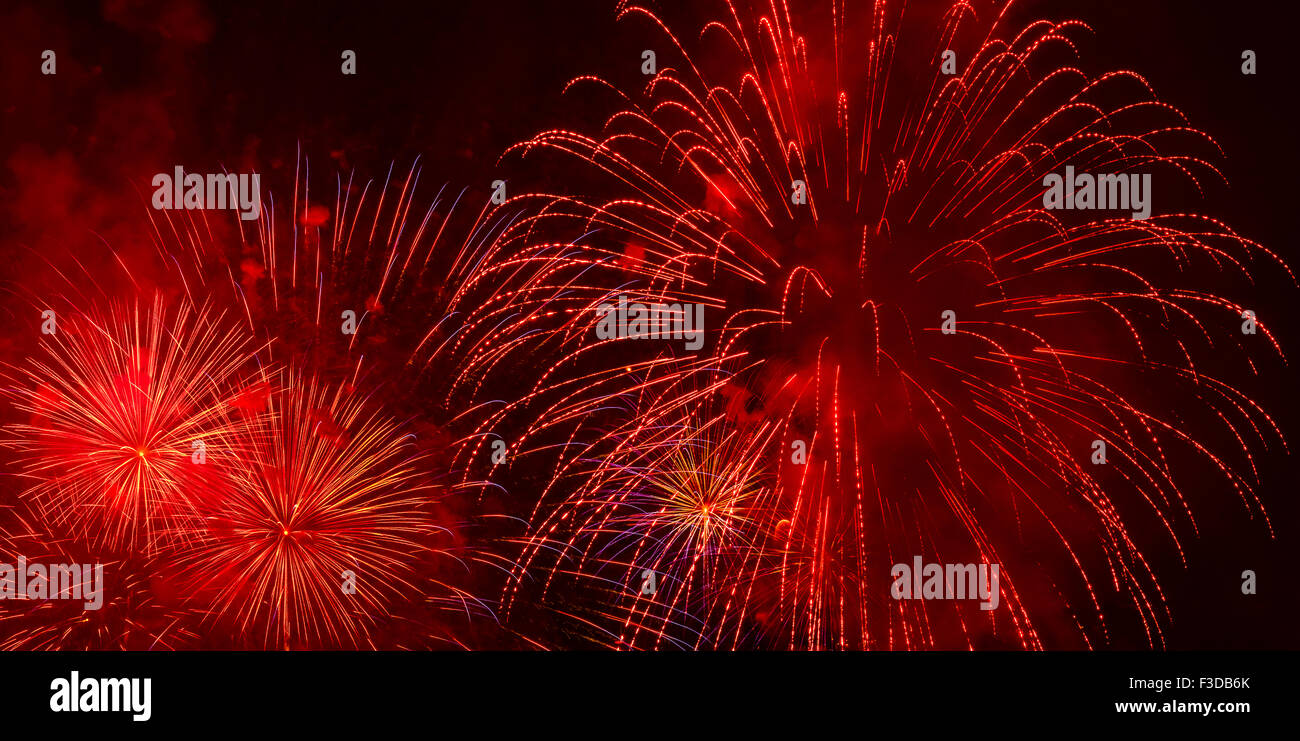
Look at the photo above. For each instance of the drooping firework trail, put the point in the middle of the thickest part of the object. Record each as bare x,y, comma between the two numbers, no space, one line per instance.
832,196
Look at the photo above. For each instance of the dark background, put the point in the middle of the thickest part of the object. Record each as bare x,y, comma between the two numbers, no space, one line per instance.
144,85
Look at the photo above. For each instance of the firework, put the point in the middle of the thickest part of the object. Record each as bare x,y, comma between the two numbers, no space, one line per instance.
319,525
921,356
441,306
120,410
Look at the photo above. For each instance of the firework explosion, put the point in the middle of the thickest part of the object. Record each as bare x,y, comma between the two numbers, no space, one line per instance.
260,475
323,492
831,197
388,415
120,408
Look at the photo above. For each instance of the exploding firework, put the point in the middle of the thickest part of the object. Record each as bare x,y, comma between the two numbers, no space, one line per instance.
120,410
369,268
923,357
443,307
319,524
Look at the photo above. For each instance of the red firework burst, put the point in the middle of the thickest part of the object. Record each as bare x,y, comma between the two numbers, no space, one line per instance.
453,311
830,195
120,410
133,610
316,526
